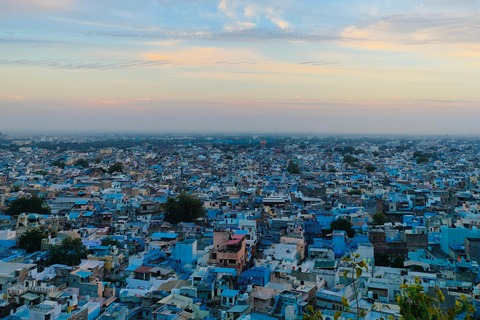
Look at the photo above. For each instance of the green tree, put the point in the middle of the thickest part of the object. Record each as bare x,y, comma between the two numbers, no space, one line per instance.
109,241
31,240
58,163
98,160
415,304
342,224
349,159
375,153
354,192
293,167
379,219
423,159
15,189
397,262
116,167
27,205
184,208
82,163
70,252
370,168
382,259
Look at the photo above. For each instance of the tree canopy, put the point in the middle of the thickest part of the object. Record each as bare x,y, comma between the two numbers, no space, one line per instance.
349,159
110,242
355,192
184,208
82,163
58,163
342,224
31,240
116,167
293,167
70,252
370,168
27,205
379,218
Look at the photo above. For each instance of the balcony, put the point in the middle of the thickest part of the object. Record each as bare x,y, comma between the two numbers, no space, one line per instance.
17,290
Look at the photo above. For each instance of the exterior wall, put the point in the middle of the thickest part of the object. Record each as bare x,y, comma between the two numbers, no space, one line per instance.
185,252
379,241
415,241
456,236
86,288
472,249
227,258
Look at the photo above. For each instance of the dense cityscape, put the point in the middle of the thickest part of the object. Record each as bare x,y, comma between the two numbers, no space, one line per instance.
253,227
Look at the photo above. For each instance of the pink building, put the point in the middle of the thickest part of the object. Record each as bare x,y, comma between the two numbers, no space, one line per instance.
230,250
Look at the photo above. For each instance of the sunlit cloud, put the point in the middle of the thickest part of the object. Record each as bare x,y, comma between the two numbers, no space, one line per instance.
206,56
239,26
11,97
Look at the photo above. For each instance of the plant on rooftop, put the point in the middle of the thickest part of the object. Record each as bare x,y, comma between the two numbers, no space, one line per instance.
184,208
70,252
27,205
31,240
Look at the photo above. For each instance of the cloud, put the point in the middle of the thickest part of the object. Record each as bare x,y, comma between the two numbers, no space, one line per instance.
274,17
169,43
246,35
239,26
95,65
22,6
225,7
454,33
250,11
11,97
206,56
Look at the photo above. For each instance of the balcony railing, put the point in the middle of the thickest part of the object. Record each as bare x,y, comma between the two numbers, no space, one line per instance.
17,290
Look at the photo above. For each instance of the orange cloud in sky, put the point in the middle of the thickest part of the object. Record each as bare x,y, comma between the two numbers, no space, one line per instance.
372,37
11,97
206,56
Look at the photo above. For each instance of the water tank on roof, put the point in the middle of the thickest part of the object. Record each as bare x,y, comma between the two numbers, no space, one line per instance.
370,295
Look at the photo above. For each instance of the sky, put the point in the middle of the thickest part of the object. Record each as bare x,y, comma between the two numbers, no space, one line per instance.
316,66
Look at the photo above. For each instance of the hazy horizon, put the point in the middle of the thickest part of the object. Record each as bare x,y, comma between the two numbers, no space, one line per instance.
320,67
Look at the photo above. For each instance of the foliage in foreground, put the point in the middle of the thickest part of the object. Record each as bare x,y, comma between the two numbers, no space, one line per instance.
413,302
